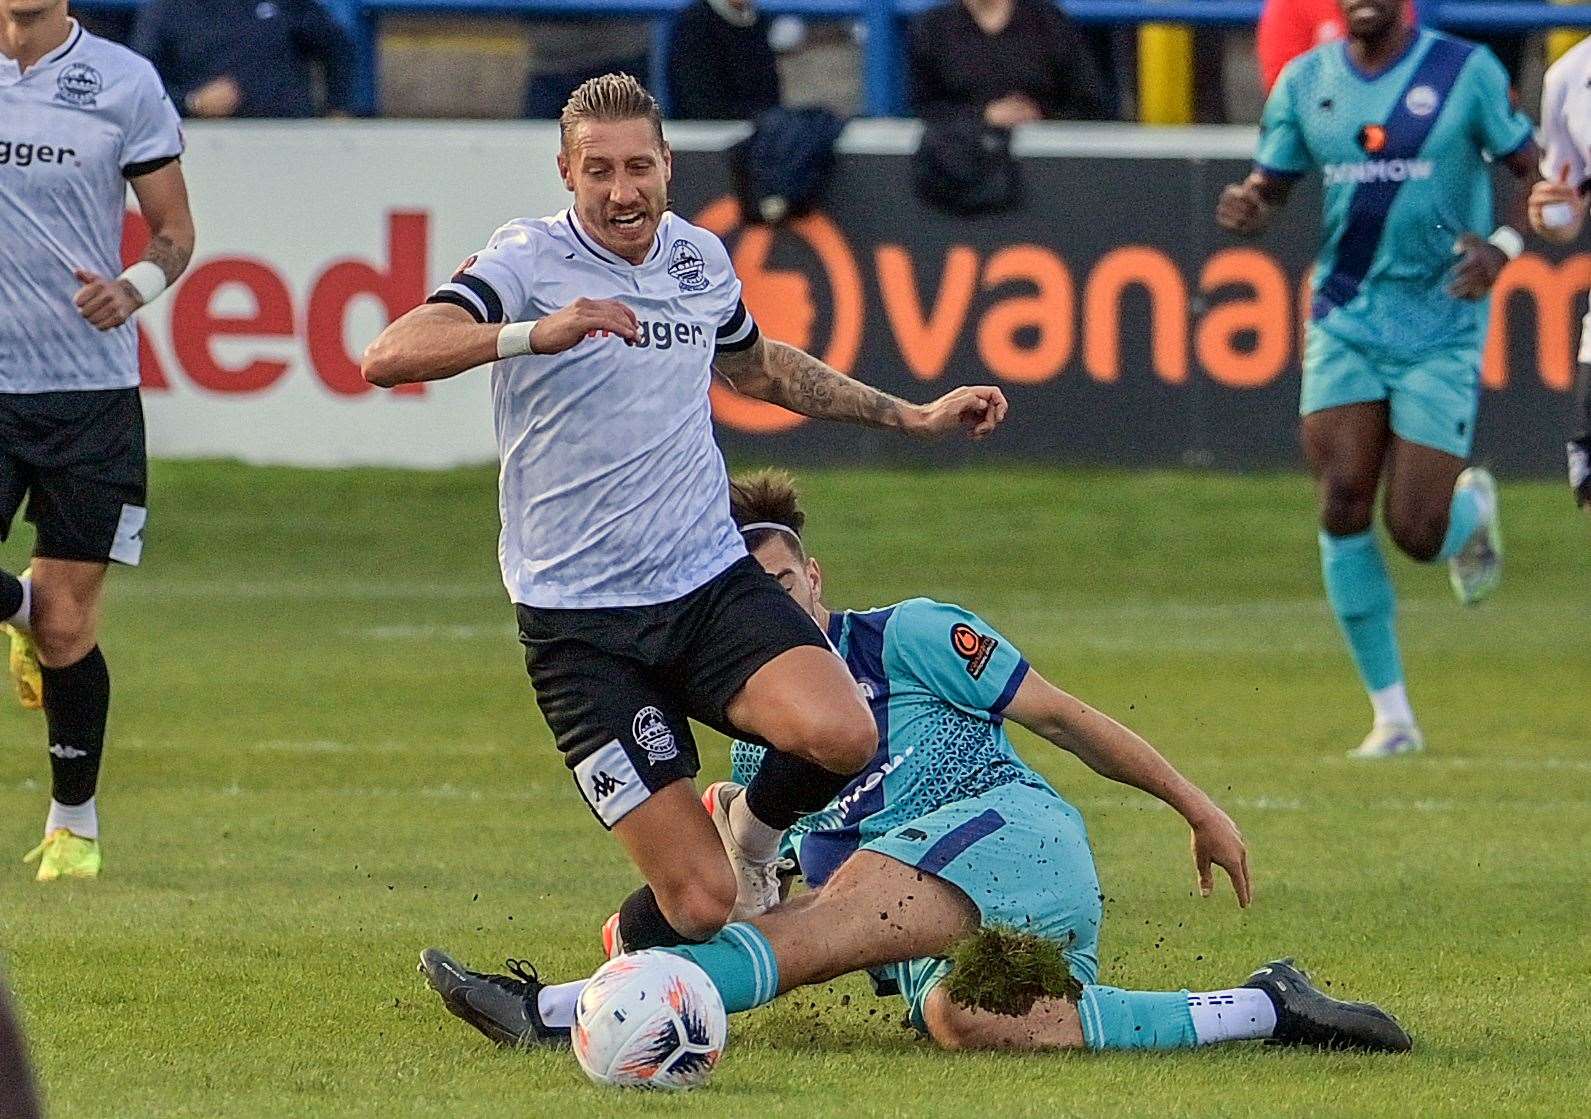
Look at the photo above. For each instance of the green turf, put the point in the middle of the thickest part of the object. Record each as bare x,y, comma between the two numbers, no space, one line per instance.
325,757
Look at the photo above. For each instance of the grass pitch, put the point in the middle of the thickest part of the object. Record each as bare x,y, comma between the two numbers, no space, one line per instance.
325,756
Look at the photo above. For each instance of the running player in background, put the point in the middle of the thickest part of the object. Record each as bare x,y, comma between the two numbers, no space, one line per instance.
637,603
947,830
80,118
1402,123
1557,212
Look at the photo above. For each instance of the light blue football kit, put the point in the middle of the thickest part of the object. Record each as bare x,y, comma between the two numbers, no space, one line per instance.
1404,159
947,794
1404,162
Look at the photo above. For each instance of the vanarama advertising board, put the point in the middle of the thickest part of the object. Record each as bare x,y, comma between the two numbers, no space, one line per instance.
1123,324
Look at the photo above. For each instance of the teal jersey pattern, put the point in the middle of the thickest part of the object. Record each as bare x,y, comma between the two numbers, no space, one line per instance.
1403,160
937,678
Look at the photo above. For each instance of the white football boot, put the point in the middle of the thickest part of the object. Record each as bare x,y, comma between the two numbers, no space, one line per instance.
1477,568
757,883
1390,740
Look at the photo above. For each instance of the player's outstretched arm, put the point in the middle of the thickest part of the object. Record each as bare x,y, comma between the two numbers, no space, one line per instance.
794,379
1246,208
440,340
163,198
1114,751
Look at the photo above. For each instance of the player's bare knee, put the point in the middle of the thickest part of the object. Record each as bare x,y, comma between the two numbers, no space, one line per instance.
843,741
699,909
63,633
1346,507
1417,534
953,1027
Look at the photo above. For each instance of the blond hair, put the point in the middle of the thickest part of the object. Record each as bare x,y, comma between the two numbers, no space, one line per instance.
610,97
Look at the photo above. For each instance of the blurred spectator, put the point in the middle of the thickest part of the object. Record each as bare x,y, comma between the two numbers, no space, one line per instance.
720,65
569,53
1012,61
247,58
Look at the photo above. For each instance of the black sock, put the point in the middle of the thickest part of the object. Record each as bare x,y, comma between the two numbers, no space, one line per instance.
642,924
76,701
787,788
10,595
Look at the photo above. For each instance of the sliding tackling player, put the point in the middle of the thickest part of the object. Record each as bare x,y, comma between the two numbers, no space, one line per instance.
80,119
947,830
638,606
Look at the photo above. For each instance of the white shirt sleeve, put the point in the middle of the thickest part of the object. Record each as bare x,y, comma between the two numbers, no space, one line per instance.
1559,150
494,284
153,132
737,330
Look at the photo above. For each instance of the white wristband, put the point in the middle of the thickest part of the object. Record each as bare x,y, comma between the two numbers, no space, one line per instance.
1557,215
1507,238
147,278
514,339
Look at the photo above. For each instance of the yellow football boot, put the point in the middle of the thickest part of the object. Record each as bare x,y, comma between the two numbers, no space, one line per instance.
64,855
25,666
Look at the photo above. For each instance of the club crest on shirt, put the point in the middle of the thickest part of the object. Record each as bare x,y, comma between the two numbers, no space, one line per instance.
652,734
686,265
79,84
1422,101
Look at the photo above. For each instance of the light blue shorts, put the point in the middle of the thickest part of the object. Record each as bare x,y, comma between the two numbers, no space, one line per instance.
1021,854
1432,397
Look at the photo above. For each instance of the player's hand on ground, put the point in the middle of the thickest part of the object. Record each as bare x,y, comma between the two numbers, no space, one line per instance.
1565,201
1480,263
106,304
568,325
1242,210
978,409
1218,842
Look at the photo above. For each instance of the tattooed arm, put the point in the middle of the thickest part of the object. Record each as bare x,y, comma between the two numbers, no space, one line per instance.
794,379
163,198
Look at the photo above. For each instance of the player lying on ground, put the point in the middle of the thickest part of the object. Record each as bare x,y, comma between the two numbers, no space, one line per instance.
638,606
1404,125
80,119
1557,212
944,832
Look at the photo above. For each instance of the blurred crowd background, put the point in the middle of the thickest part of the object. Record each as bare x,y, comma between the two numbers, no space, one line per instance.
1010,61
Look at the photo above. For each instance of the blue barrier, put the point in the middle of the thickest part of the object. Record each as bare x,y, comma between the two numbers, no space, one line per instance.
882,85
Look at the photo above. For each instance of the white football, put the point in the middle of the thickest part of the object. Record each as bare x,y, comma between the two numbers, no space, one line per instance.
650,1020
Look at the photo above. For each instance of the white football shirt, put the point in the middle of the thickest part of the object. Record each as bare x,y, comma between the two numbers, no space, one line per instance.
72,130
1566,133
612,490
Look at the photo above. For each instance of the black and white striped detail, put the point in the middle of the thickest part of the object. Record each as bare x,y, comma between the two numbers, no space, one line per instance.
739,333
473,294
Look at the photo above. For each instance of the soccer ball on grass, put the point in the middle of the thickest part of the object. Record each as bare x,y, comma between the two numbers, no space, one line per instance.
649,1020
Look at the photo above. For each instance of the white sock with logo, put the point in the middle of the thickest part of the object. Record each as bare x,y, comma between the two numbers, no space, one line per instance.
758,840
556,1003
1391,705
1239,1014
79,819
23,618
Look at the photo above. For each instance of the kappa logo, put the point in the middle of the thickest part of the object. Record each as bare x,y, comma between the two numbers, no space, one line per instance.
1422,101
651,732
973,647
79,84
604,785
67,753
686,265
868,689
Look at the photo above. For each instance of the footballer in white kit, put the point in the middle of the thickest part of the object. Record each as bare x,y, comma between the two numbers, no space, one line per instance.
1557,212
80,119
639,607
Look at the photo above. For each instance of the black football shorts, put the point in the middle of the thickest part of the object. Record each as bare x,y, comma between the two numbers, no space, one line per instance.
618,684
79,459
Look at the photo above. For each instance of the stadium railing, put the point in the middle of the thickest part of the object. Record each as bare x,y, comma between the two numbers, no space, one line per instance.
883,92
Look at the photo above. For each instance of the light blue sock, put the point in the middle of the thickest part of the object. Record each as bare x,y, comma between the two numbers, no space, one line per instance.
1360,593
1117,1019
740,962
1462,517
